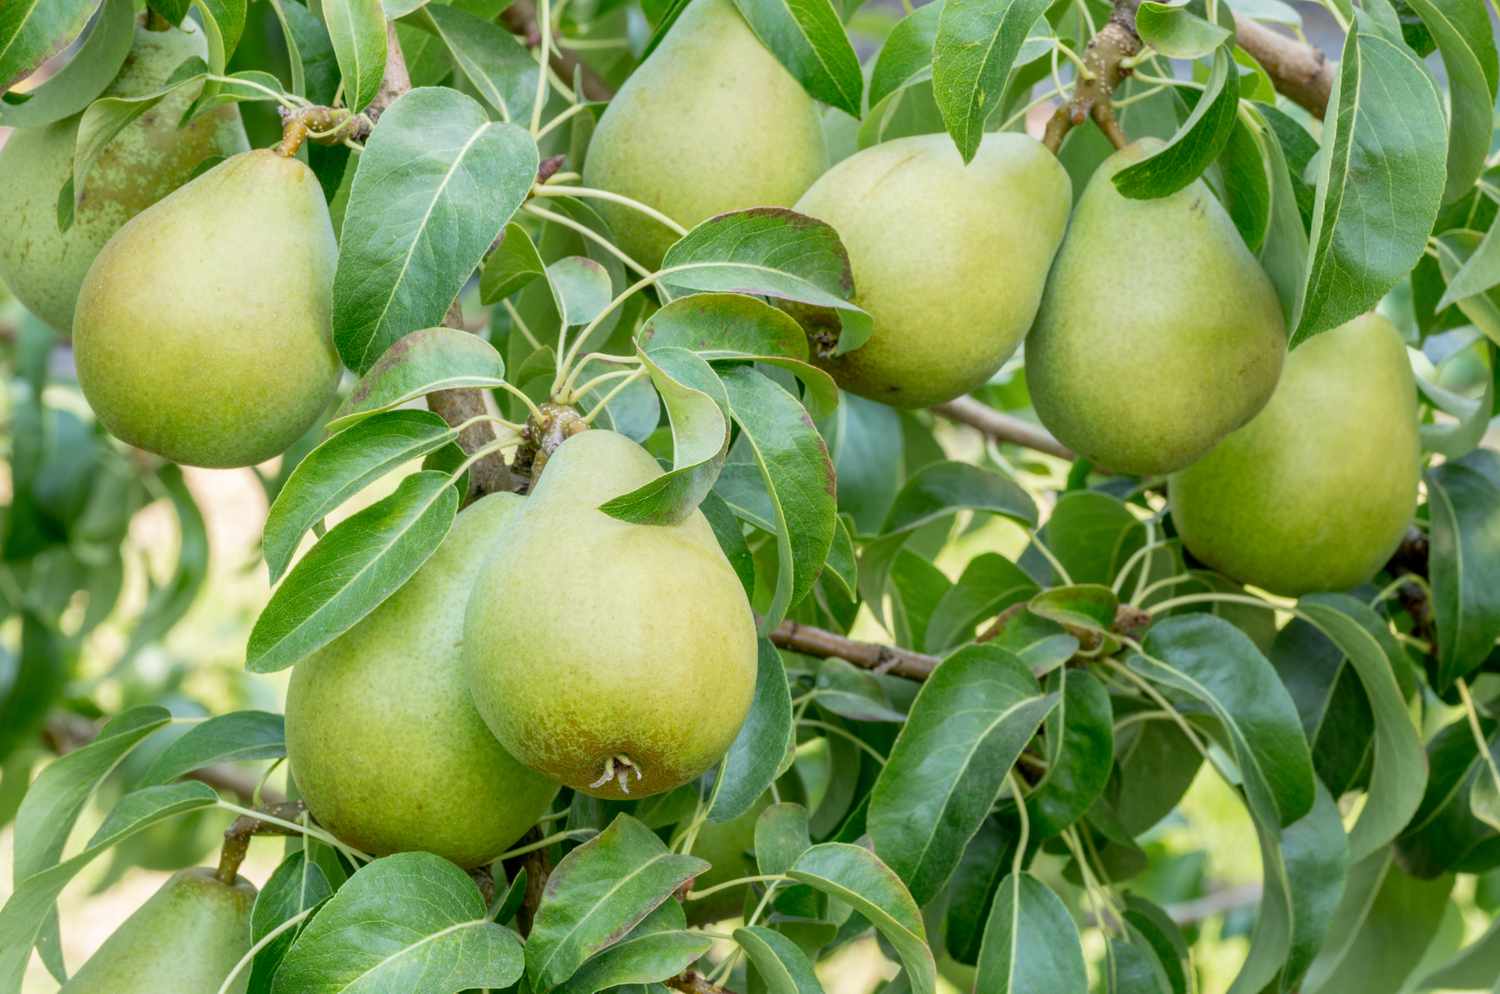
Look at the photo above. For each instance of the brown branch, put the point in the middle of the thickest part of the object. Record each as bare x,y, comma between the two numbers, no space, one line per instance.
1102,72
237,836
693,982
1002,427
868,655
1299,71
520,18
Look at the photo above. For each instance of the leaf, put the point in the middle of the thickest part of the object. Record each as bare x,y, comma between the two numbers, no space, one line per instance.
224,738
1457,251
769,252
597,894
977,44
581,288
1030,943
92,68
968,725
411,923
1283,252
782,834
1444,835
224,21
853,693
31,33
856,877
1080,752
643,959
1176,32
1219,669
1092,534
1399,774
1196,144
168,602
297,885
1464,562
340,468
1471,415
1380,183
418,364
434,187
808,38
906,55
1476,273
357,30
493,60
1462,31
798,474
990,583
755,755
781,963
511,266
1474,967
1161,933
30,904
357,565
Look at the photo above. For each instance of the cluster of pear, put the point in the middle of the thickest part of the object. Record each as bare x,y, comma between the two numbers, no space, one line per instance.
1154,340
198,307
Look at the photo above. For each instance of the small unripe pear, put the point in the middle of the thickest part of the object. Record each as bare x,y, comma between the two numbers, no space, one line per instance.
1159,333
184,940
616,658
383,739
949,259
43,265
709,123
202,332
1315,492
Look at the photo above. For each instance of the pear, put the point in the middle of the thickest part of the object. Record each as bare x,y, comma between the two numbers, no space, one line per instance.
185,939
709,123
382,737
950,260
150,158
1159,333
616,658
202,332
1315,492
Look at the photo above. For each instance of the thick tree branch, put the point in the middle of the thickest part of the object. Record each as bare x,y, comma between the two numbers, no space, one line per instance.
1300,72
1002,427
869,655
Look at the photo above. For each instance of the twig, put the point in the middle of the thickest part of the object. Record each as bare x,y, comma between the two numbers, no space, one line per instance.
868,655
1103,69
1002,427
1299,71
237,836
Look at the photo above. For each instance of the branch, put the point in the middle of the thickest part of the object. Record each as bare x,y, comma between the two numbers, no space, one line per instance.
237,836
1002,427
1300,72
869,655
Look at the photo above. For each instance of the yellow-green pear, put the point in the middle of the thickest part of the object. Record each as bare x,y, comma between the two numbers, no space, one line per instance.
616,658
147,160
202,332
184,940
1159,333
709,123
382,737
1315,492
950,260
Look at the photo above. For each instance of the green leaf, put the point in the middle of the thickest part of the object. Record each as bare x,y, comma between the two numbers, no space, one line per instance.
1464,562
31,33
1209,664
641,959
782,834
1030,943
968,725
1178,33
1380,183
1196,144
92,68
755,755
357,565
1471,415
418,364
580,287
493,60
434,187
412,923
1092,534
168,602
1462,31
977,44
224,21
798,474
224,738
990,583
1444,834
597,894
511,267
856,877
297,885
340,468
769,252
906,55
357,30
781,963
1080,752
808,38
1474,967
1470,264
853,693
1161,933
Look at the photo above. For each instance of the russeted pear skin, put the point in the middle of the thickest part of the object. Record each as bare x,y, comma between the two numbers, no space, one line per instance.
202,331
949,259
184,940
1158,334
150,158
709,123
1316,492
616,658
381,734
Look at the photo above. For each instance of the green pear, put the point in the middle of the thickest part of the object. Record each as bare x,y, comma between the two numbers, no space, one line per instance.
382,737
146,161
709,123
950,260
202,332
616,658
1159,333
184,940
1315,492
